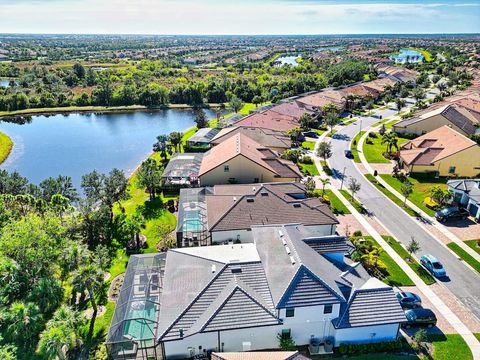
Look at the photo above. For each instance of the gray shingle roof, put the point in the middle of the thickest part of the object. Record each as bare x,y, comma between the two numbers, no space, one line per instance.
371,307
265,208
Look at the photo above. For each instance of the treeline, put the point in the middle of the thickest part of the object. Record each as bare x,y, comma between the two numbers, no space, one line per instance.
55,250
155,84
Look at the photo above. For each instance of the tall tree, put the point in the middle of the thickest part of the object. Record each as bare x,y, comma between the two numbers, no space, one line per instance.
150,177
354,186
201,119
406,189
324,150
175,139
235,104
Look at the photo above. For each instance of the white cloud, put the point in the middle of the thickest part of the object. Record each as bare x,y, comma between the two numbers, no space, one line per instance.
233,17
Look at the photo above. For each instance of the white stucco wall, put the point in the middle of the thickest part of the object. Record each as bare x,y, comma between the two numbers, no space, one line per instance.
366,334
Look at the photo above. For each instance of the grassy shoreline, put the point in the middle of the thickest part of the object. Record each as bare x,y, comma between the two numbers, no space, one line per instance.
90,109
6,145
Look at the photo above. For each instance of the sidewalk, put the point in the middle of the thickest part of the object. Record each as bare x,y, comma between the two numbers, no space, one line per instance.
424,215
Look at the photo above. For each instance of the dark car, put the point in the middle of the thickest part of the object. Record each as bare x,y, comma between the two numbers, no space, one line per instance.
420,317
348,154
408,300
310,134
451,213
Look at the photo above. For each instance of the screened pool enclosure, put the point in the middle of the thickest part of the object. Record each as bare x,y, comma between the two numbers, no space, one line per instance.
133,330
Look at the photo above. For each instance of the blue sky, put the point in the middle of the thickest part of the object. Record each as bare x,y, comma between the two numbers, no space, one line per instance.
239,16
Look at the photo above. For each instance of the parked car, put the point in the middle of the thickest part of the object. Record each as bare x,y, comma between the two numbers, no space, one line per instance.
451,213
420,317
310,134
348,154
433,266
409,300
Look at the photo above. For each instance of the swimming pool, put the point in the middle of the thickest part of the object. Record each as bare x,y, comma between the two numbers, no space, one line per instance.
192,221
141,320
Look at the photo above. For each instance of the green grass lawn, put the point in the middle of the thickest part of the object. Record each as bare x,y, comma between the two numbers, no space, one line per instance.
6,145
354,146
449,347
388,194
421,188
308,169
331,133
389,125
396,276
477,335
419,270
374,152
464,256
336,205
308,145
354,202
473,244
326,169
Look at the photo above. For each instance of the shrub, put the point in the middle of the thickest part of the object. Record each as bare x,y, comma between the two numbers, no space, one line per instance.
372,135
357,233
376,347
368,141
306,160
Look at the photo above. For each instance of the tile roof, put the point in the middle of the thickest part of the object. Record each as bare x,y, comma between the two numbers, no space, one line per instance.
241,144
264,208
265,137
226,297
371,307
270,120
434,146
323,98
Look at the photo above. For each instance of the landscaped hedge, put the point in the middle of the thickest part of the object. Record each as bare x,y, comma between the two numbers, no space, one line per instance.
376,347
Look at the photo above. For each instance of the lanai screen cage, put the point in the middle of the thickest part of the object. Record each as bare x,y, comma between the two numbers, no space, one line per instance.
132,334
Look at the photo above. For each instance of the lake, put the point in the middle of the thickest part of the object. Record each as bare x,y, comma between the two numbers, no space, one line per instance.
5,82
76,144
288,60
407,56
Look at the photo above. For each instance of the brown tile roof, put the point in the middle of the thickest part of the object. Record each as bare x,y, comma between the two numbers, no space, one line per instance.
270,120
241,144
324,98
266,137
294,108
361,90
433,146
265,207
380,84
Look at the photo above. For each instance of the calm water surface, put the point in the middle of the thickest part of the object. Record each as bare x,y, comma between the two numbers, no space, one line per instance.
76,144
407,55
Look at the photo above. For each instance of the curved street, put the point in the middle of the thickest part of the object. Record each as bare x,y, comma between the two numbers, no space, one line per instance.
463,282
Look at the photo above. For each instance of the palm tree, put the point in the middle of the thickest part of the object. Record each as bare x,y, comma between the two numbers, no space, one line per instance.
350,100
24,322
441,86
413,246
400,103
47,293
391,140
324,182
331,119
175,139
406,189
55,342
88,278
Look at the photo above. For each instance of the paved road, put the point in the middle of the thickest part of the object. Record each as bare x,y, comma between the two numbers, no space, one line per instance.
463,282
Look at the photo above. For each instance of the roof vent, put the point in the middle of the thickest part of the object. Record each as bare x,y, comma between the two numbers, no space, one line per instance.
234,198
250,200
284,242
214,268
280,233
254,189
236,270
297,205
287,249
292,260
264,193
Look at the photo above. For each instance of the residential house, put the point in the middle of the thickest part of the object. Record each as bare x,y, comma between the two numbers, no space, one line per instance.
315,102
241,297
259,355
202,137
466,192
275,140
443,151
226,213
182,169
240,159
271,120
452,115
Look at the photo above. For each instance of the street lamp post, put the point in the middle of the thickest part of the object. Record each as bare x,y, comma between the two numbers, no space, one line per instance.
343,177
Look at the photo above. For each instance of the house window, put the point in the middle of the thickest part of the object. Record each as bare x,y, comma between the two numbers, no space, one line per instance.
256,180
327,309
226,168
290,312
451,170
